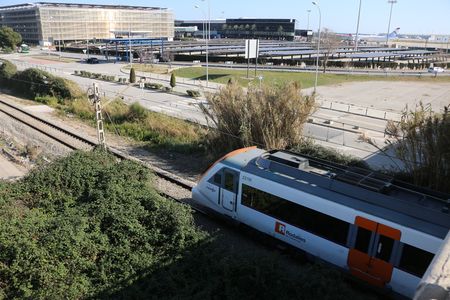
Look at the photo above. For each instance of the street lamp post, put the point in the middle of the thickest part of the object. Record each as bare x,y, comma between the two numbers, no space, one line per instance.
208,33
87,38
357,26
129,44
318,46
392,2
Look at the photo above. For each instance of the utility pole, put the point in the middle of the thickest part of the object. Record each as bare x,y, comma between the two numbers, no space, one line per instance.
357,26
94,97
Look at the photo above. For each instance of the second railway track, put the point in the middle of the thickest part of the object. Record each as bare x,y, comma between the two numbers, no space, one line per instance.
76,141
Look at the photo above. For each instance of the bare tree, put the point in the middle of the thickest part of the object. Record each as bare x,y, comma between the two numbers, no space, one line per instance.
329,43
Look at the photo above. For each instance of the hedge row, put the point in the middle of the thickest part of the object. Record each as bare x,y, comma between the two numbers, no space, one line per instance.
95,75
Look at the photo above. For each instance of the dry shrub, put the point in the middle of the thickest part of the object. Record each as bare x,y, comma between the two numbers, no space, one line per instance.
421,140
271,117
32,151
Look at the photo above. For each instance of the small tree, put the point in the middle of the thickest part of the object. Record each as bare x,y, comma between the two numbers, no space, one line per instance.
132,76
9,38
329,43
173,81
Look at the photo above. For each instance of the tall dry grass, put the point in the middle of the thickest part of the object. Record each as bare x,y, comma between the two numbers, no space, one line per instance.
421,140
271,117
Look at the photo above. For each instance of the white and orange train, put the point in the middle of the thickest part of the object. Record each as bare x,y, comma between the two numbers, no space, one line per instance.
380,230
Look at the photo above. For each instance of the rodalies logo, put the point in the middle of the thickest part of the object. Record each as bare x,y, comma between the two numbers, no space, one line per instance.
281,229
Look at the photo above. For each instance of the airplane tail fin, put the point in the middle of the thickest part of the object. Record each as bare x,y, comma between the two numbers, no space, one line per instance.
394,33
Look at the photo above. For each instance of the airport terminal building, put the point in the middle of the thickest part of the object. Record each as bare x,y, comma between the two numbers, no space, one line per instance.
244,28
46,23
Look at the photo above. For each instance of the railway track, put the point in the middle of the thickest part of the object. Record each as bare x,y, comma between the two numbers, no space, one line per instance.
75,141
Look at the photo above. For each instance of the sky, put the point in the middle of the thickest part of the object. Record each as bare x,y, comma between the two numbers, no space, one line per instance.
412,16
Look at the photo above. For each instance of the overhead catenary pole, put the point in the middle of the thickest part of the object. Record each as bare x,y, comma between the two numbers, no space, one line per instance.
318,47
94,96
392,2
357,26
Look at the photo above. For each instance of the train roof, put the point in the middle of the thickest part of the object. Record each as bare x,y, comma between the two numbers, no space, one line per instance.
361,189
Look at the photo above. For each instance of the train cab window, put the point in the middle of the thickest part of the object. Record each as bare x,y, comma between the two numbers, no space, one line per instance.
363,240
229,182
218,178
415,260
384,248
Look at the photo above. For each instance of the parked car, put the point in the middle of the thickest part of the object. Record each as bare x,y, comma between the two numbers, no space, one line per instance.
92,60
435,69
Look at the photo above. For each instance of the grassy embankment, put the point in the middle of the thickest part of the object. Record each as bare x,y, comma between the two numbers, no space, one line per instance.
305,78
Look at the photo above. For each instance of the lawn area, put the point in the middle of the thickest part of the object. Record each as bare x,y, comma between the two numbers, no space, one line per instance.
56,58
151,68
306,79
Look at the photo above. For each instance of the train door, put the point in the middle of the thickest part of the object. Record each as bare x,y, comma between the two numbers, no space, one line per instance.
228,191
370,257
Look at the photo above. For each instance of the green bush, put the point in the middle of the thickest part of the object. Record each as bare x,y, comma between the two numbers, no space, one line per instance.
86,224
137,112
7,71
132,76
33,83
193,93
153,86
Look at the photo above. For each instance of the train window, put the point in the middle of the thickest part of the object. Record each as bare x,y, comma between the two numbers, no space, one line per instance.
218,178
229,181
297,215
363,240
415,260
384,248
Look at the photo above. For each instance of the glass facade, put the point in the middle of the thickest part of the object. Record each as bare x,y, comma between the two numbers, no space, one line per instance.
48,22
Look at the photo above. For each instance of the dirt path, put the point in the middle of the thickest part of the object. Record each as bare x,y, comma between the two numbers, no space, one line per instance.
8,170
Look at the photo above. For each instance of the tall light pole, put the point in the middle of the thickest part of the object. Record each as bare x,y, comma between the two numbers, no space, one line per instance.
129,44
357,26
318,46
392,2
307,25
207,40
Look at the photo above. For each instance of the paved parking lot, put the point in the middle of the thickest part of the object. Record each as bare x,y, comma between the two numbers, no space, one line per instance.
388,95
